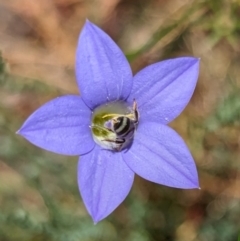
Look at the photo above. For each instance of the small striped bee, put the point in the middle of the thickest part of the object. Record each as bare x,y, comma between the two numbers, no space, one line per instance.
122,128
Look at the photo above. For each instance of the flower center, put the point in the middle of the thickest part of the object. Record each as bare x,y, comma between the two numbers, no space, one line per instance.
114,124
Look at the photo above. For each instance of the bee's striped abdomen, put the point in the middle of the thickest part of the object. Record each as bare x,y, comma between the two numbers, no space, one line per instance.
122,126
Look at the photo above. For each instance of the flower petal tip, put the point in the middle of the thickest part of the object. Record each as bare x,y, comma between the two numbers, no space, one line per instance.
189,184
20,132
96,220
88,23
193,59
194,184
198,60
89,26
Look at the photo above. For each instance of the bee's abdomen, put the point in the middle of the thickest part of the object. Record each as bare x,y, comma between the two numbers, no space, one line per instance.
123,125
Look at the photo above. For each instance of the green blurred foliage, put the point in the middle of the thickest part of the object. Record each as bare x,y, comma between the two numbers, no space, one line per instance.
39,197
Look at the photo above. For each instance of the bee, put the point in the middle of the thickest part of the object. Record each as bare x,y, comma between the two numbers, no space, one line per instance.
122,128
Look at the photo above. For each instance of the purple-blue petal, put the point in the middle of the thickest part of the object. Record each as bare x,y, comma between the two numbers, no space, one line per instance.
163,90
61,126
103,72
104,181
159,154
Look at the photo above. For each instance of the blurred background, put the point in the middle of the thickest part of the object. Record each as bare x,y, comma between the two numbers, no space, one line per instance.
39,197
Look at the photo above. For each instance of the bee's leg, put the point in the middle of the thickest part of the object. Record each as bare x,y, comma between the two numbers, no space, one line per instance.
117,141
120,141
135,112
109,129
115,120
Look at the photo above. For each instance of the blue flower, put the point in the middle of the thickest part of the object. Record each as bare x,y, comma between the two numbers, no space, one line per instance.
119,123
